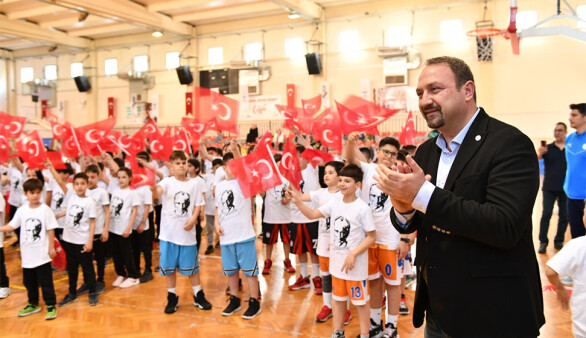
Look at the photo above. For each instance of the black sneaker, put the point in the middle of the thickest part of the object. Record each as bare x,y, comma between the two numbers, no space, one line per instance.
542,247
147,276
209,250
69,298
232,307
375,330
253,309
93,298
390,331
201,302
339,334
83,289
218,245
172,301
558,246
100,287
157,268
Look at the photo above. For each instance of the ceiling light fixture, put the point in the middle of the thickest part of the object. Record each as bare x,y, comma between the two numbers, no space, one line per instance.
293,15
157,34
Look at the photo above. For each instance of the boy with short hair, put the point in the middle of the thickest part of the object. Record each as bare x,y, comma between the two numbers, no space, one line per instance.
37,222
178,249
78,239
352,232
233,222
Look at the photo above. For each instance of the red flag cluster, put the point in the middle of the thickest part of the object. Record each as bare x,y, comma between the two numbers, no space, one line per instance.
408,132
11,127
289,165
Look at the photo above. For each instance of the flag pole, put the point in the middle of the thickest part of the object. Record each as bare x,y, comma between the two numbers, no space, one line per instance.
75,138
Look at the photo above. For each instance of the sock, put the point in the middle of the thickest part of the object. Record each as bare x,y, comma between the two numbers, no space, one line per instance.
375,315
364,336
171,290
327,296
315,269
348,304
392,319
303,269
196,289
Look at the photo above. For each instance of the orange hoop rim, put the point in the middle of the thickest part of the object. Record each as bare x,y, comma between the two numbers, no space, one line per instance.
484,32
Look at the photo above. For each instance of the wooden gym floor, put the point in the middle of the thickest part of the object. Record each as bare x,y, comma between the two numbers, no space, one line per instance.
138,311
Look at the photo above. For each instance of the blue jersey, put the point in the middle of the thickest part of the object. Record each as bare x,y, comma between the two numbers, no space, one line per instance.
575,182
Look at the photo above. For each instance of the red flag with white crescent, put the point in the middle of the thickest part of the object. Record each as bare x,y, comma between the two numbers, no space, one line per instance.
110,107
148,130
31,149
327,130
216,111
161,146
296,117
188,103
351,120
195,128
181,140
56,159
12,126
312,105
69,147
375,113
315,157
61,131
255,173
408,132
4,149
140,176
290,94
89,136
289,165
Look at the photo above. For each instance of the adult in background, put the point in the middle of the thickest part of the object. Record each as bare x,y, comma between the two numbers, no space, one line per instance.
575,182
470,197
252,134
554,162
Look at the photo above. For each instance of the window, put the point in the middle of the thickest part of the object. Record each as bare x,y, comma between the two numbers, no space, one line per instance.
141,63
253,51
581,11
172,60
51,72
294,48
216,55
451,30
76,69
348,41
26,74
111,66
526,19
398,36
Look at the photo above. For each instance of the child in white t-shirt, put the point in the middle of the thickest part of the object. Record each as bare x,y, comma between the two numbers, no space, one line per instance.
571,261
210,208
78,239
141,234
352,232
178,250
237,239
193,172
56,193
124,204
37,222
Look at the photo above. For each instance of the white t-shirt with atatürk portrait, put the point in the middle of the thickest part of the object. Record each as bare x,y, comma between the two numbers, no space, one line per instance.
34,223
78,214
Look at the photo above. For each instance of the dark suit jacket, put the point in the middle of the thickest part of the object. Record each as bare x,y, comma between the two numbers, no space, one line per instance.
475,240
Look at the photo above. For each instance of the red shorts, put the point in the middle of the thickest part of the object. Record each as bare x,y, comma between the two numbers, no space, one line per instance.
270,233
383,262
324,265
358,291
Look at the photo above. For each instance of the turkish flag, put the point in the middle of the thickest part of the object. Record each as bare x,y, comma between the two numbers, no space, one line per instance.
56,159
188,103
89,136
289,165
4,149
265,144
290,95
181,140
161,146
12,126
30,148
255,173
110,142
60,259
44,108
52,117
70,147
312,106
195,129
140,176
315,157
110,107
377,114
408,132
61,131
148,130
327,130
355,121
296,117
216,111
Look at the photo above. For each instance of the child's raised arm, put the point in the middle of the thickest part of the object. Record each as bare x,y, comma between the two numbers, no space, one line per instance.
296,196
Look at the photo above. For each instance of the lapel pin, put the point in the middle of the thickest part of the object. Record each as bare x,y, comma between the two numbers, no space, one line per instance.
477,138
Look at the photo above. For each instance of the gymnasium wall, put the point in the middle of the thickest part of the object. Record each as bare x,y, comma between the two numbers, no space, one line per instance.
531,91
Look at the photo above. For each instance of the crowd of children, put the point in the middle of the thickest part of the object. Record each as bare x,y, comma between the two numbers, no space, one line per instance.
342,229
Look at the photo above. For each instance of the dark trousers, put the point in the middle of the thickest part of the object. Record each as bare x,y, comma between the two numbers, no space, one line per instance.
59,234
432,329
40,276
549,198
155,221
198,231
141,242
4,280
99,253
10,217
575,215
121,249
76,257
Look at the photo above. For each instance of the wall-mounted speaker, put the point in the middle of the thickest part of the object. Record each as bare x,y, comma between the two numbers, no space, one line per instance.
184,75
82,82
313,63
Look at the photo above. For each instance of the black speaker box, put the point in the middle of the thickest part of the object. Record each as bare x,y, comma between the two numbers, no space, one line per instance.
184,75
82,83
313,63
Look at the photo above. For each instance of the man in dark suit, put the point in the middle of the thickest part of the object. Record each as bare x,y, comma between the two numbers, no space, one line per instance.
469,193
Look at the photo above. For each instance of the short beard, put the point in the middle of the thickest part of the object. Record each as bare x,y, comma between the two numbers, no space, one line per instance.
435,123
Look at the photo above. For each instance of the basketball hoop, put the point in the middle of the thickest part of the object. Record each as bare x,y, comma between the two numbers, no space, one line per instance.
484,33
483,39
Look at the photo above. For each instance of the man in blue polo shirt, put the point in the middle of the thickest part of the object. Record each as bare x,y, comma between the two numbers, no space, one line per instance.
575,182
554,162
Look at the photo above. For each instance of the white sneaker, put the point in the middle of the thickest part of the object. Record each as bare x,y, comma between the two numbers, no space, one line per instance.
118,281
4,292
128,282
